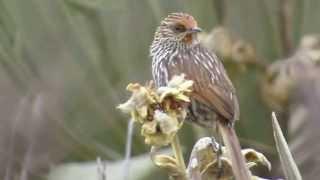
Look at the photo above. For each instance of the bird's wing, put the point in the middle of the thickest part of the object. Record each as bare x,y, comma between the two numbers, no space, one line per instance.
212,86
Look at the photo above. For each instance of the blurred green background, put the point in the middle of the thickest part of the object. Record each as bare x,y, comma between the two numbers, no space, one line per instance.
65,65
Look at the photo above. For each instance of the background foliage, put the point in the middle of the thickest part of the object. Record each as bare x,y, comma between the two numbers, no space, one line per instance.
65,64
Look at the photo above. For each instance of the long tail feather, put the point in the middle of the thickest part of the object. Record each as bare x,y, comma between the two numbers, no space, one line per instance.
232,144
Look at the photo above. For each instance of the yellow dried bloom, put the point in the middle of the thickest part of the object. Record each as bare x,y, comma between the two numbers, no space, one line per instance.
178,88
139,102
256,158
161,130
160,111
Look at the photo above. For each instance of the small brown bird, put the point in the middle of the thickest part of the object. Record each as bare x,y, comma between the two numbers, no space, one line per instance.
176,50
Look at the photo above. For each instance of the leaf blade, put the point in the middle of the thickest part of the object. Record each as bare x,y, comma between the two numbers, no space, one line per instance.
288,164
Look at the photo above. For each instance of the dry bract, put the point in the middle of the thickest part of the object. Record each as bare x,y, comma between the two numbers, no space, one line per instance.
205,153
160,111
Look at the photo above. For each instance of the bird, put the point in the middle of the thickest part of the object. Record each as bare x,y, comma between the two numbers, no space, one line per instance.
176,50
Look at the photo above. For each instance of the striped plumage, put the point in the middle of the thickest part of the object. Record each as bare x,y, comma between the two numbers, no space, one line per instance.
175,52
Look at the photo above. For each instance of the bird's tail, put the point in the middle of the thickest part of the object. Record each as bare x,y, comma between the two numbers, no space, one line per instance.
232,144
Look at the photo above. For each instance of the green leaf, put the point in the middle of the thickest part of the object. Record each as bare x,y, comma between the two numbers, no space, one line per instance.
289,167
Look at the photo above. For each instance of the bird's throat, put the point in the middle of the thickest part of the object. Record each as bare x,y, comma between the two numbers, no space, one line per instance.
188,39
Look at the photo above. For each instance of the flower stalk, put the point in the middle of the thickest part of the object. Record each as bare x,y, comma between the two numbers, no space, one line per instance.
176,147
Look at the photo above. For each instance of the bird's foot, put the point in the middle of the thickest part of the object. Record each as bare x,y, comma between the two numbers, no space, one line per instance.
220,168
217,148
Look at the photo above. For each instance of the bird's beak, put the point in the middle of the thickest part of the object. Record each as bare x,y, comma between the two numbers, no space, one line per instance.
195,30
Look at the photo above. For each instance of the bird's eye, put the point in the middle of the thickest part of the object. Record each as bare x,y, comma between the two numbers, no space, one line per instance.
179,28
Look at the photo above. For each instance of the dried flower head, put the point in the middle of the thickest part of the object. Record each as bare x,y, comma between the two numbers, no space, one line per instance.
205,154
139,103
161,130
161,111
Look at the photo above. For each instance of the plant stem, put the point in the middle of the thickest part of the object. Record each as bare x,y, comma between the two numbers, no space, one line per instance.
285,24
175,144
220,10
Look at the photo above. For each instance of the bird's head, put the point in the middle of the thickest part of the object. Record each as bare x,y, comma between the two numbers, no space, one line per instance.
178,27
